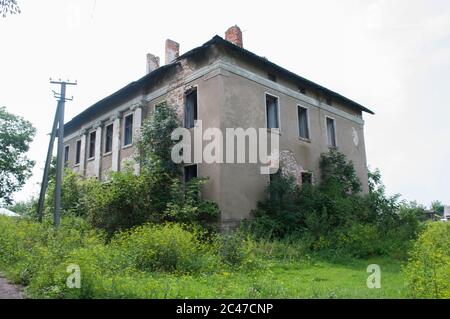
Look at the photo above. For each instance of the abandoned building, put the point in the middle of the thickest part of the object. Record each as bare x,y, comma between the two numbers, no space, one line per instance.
225,86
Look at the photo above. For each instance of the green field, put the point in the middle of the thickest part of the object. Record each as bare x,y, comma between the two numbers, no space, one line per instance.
278,279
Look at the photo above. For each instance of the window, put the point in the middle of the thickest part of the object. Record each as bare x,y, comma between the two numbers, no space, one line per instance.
78,152
128,130
272,77
303,129
66,154
306,178
92,137
190,172
190,111
272,111
331,132
108,138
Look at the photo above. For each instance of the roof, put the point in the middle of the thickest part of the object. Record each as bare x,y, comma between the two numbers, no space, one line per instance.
136,86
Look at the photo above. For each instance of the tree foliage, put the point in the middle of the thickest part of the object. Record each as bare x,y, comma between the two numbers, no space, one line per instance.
155,143
16,134
8,7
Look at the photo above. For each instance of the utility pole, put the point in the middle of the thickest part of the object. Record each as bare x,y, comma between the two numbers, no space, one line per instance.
57,129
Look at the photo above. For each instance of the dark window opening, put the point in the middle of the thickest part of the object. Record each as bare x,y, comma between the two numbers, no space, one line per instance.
272,112
190,172
302,90
303,129
108,138
78,152
272,77
331,132
128,130
306,178
66,155
190,111
92,137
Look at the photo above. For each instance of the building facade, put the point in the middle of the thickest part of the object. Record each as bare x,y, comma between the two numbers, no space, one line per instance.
225,86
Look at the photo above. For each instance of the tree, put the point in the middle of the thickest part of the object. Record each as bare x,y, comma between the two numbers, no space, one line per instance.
8,7
438,207
155,144
16,134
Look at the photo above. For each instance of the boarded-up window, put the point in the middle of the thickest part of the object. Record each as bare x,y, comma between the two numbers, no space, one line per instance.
128,130
190,110
272,111
92,137
108,138
303,129
331,132
78,152
190,172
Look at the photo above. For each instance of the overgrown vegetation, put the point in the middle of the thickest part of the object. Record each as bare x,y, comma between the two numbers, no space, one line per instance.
156,195
150,236
428,271
334,217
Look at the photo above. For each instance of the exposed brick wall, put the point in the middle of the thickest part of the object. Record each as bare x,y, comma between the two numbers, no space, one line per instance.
172,50
234,35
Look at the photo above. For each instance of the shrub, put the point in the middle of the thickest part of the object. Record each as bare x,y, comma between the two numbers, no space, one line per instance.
428,271
163,248
237,250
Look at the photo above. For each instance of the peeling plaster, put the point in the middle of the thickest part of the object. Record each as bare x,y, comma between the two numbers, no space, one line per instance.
290,166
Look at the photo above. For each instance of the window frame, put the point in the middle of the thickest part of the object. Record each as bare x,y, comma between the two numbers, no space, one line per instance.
308,132
90,143
334,129
66,154
105,140
196,114
184,172
125,117
77,152
276,129
307,173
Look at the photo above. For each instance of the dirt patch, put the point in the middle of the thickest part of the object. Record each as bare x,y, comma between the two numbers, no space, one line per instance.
9,291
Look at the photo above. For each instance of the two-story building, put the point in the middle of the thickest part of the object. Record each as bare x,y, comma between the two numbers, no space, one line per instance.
225,86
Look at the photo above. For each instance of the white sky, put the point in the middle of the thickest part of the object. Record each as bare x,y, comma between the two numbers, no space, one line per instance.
391,56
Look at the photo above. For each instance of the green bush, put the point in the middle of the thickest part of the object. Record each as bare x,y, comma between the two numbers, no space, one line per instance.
237,250
428,268
164,248
334,216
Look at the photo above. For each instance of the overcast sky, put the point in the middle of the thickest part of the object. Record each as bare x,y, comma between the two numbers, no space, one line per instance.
392,56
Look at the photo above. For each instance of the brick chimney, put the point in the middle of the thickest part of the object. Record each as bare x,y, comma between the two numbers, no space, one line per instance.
152,62
172,50
234,35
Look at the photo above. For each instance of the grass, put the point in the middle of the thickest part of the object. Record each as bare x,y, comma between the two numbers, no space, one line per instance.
280,279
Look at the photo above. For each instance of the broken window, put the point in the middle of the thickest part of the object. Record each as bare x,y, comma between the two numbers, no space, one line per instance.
128,130
66,154
303,129
331,132
92,137
108,138
272,111
190,110
190,172
77,153
306,178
